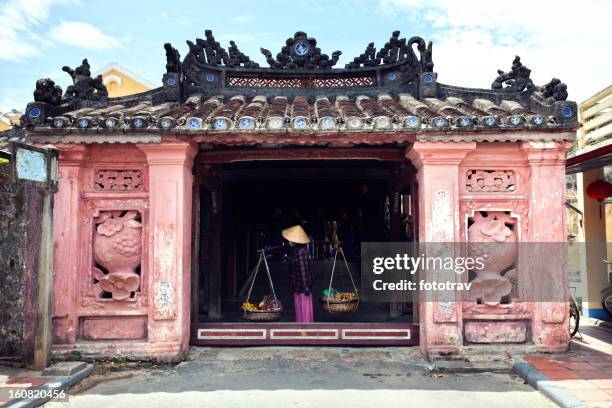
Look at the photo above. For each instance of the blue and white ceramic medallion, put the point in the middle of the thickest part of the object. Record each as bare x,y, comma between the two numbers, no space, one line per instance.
165,123
463,121
537,120
327,123
138,123
515,120
411,121
110,123
440,122
220,124
83,123
392,76
210,77
275,123
301,48
566,111
58,123
35,112
489,121
354,123
300,123
193,123
246,123
171,81
428,78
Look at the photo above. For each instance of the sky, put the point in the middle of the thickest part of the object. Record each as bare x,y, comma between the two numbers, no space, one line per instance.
472,38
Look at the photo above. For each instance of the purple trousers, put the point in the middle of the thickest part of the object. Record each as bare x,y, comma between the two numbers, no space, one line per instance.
303,307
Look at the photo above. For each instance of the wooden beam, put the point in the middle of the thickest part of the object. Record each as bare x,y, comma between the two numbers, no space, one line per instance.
583,158
42,340
230,156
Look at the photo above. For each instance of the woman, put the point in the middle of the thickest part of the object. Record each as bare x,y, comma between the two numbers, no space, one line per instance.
300,277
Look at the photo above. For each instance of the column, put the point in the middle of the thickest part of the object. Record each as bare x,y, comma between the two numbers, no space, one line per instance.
437,167
169,266
66,210
595,240
547,278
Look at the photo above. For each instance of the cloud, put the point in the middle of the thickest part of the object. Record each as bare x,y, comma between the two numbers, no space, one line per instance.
242,19
18,18
239,37
84,35
472,39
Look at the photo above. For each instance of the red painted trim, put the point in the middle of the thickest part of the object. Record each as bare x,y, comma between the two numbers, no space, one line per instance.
305,334
374,334
324,334
299,139
593,154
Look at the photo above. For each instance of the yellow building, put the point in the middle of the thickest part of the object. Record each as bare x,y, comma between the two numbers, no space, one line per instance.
118,80
8,119
121,82
590,220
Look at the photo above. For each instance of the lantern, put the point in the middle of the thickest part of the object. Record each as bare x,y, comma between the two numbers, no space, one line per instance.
599,190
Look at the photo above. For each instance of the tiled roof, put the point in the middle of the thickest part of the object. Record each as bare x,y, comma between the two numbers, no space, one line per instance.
238,114
220,96
11,135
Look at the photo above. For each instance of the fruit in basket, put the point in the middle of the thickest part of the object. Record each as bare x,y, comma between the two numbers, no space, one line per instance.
342,297
329,292
269,303
250,307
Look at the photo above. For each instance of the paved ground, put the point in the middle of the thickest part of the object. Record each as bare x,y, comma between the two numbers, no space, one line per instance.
16,379
304,377
585,371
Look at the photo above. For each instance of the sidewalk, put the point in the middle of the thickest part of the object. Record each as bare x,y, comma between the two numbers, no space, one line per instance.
304,377
585,371
27,388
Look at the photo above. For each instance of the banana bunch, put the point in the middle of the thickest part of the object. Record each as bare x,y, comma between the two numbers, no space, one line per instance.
250,307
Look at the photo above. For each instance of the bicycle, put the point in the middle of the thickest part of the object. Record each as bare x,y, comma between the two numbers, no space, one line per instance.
574,316
606,293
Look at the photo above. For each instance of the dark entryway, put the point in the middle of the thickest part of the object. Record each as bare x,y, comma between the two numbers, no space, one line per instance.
245,205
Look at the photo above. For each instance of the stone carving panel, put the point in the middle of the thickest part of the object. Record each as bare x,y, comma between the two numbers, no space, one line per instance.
118,180
493,239
490,181
117,251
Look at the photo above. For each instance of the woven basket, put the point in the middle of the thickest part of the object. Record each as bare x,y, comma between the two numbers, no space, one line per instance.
344,306
262,315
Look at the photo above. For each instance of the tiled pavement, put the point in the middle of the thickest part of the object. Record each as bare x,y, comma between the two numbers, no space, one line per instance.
32,388
586,371
17,379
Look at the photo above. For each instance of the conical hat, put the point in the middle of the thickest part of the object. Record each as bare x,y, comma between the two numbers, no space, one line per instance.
296,234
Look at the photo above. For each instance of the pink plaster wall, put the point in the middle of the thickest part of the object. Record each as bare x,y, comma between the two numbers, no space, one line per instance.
154,322
160,309
536,203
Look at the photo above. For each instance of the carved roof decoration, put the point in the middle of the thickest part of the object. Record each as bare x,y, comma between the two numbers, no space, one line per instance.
173,59
301,51
517,80
208,51
397,50
388,91
84,86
